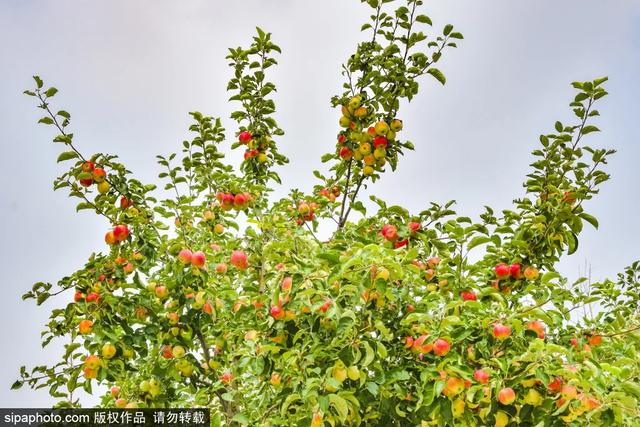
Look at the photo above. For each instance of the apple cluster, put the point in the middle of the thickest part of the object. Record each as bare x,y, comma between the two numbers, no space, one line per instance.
391,234
237,201
506,275
90,174
118,234
364,141
305,211
330,193
257,146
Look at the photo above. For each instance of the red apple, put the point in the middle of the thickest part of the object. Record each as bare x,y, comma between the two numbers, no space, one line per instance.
481,376
99,175
538,327
287,282
506,396
389,232
221,268
501,332
277,312
502,271
469,296
239,260
414,226
121,232
441,347
93,297
346,153
185,256
88,166
515,270
244,137
198,259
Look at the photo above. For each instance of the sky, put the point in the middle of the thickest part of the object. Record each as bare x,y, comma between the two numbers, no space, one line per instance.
129,72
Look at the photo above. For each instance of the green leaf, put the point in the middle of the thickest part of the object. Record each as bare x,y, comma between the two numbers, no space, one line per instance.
447,29
341,406
437,74
67,155
424,19
83,205
590,219
477,241
51,92
241,419
589,129
46,120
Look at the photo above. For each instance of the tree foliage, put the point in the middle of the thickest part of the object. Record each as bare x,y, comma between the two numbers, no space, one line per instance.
212,294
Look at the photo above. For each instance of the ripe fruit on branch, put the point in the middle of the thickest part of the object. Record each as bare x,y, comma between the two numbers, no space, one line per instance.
78,296
185,256
277,312
453,386
85,327
93,297
502,271
501,332
506,396
396,125
325,306
515,270
226,377
346,153
275,379
414,226
568,392
531,273
401,243
221,268
239,260
380,141
125,203
481,376
389,232
468,296
441,347
88,166
198,259
85,182
108,351
244,137
538,327
287,282
594,339
161,291
382,128
110,238
99,175
121,232
115,391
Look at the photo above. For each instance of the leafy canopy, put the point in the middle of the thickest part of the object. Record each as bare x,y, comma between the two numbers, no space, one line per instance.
213,294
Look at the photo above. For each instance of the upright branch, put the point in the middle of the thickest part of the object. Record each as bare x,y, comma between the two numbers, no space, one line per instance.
380,75
257,126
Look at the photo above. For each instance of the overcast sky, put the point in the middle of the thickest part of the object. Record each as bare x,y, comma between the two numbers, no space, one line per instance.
130,71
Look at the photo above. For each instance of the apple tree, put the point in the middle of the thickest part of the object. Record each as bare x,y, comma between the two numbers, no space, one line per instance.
211,293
